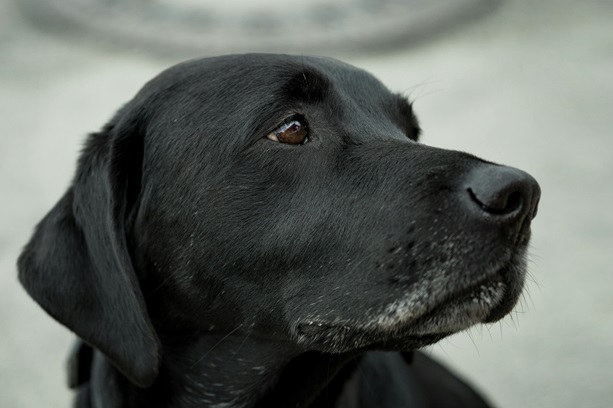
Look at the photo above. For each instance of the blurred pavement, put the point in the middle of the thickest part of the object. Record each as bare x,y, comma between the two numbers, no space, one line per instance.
530,85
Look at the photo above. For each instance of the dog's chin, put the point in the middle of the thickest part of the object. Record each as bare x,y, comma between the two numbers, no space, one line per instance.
406,325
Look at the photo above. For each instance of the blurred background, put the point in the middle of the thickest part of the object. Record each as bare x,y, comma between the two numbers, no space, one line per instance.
524,83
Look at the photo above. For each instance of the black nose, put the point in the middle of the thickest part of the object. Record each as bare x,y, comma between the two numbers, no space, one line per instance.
504,193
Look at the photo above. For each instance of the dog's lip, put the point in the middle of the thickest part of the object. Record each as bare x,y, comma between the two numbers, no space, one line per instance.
462,309
457,311
485,291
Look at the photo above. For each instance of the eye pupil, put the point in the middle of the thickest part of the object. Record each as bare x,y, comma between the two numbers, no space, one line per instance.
293,127
293,131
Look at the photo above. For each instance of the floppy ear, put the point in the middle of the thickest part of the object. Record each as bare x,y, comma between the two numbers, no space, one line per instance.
77,265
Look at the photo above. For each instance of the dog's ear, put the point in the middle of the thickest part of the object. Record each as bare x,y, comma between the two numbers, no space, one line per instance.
77,265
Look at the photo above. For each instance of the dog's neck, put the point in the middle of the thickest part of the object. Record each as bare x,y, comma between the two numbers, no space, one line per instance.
226,371
231,372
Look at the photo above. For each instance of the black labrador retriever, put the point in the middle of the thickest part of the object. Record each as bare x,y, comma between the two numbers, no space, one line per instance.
265,231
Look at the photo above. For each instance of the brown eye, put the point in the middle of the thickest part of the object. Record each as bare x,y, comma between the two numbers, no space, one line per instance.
292,131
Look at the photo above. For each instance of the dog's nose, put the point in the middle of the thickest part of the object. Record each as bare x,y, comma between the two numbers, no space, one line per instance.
503,193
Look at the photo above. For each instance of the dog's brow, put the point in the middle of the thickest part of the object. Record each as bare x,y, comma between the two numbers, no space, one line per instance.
308,85
404,104
409,119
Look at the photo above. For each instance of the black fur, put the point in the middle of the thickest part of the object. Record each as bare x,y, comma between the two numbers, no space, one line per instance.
208,265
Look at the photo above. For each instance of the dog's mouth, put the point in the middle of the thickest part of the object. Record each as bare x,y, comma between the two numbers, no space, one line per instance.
461,310
414,322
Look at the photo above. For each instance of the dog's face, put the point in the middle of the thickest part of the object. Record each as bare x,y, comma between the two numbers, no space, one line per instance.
288,198
341,232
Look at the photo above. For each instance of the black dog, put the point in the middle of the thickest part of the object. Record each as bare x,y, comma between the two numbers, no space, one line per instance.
254,230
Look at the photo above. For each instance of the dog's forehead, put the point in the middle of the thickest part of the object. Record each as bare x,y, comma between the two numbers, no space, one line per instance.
233,100
260,75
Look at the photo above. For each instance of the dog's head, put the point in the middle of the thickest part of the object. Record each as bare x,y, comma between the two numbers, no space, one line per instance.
286,197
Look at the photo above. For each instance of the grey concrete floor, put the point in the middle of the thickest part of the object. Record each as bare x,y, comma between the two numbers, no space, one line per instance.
530,85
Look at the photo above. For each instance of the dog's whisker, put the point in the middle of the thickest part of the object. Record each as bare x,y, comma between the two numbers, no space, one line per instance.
531,278
419,87
328,376
422,95
513,321
525,306
358,264
361,372
440,347
238,349
216,345
166,280
527,294
470,336
521,305
533,255
489,330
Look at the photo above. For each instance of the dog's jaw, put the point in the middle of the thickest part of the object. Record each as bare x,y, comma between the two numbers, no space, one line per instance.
458,312
429,312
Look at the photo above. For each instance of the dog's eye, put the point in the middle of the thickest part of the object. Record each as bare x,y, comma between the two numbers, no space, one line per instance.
292,131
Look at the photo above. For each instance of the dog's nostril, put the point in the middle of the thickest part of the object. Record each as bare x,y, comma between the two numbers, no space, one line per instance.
513,202
499,205
503,191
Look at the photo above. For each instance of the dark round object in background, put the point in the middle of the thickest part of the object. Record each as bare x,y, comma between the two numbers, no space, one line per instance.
206,27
